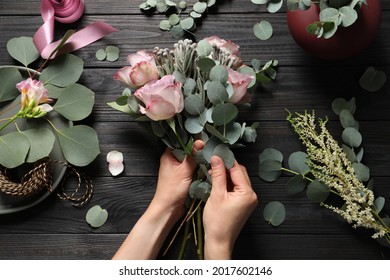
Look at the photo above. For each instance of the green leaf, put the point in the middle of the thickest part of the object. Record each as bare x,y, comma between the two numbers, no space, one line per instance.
209,147
188,23
225,154
248,70
372,79
215,132
122,108
217,93
54,91
161,7
193,125
79,144
351,156
274,213
329,14
347,119
340,104
112,53
274,5
270,170
174,19
195,15
296,184
9,77
205,64
200,190
219,73
41,143
63,71
189,87
233,133
165,25
352,137
348,16
317,191
224,113
362,171
204,48
359,155
271,153
14,147
75,103
177,32
200,7
23,50
379,203
193,104
263,30
298,162
96,216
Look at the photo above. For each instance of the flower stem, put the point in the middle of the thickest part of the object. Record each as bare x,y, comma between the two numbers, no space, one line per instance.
10,121
199,230
185,239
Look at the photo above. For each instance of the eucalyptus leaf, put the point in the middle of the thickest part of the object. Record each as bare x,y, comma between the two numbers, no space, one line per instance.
122,108
219,73
205,64
9,77
96,216
349,16
248,70
340,104
209,147
200,7
270,170
174,19
216,92
359,155
362,171
189,86
23,50
379,203
75,103
177,32
249,135
274,213
101,54
215,132
79,144
194,105
317,191
263,30
112,53
179,154
351,156
274,5
165,25
346,118
372,79
296,184
188,24
225,154
14,147
192,188
54,91
352,137
204,48
224,113
202,191
297,162
233,133
271,153
193,125
41,143
195,15
63,71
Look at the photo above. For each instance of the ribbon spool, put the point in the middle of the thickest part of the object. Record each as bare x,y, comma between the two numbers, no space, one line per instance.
66,11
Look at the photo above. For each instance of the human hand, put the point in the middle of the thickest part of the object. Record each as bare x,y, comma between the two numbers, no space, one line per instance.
227,209
174,179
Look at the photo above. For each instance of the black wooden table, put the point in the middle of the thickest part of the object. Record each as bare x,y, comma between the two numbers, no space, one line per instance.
56,230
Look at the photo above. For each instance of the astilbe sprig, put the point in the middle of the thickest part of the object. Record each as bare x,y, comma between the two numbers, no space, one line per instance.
329,164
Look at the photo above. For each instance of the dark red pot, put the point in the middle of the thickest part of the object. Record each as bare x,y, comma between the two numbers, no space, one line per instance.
347,42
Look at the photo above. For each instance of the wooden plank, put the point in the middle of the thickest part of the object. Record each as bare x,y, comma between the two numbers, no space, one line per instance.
139,32
262,246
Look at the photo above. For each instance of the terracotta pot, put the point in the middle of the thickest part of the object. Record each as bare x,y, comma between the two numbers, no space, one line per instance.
347,42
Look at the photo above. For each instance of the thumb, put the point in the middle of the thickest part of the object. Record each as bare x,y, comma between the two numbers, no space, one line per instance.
218,175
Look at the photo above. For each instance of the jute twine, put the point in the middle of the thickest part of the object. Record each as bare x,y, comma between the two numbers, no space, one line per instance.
40,179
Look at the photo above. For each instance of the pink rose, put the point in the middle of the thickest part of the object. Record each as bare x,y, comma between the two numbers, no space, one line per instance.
224,45
143,69
162,98
240,83
34,94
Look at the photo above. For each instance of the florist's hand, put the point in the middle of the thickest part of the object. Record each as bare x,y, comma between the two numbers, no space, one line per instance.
174,179
227,209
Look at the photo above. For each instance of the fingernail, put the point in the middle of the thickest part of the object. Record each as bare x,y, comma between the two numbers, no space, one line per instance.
215,161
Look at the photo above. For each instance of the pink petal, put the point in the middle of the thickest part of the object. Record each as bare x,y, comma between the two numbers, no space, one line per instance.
115,162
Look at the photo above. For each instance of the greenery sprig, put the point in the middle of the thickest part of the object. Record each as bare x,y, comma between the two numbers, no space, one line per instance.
177,24
328,168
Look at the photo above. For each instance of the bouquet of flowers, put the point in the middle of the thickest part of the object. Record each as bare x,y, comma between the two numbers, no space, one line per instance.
193,91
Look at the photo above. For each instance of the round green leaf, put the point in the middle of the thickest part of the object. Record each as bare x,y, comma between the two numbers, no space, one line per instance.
372,79
9,77
193,125
14,147
161,7
54,91
270,170
348,16
274,213
274,5
75,103
174,19
204,48
209,147
346,118
23,50
297,162
259,2
202,191
195,15
329,14
233,132
189,86
200,7
219,73
271,153
112,53
187,24
79,144
379,203
224,113
248,70
177,32
182,5
359,155
317,191
362,171
217,93
205,64
101,54
352,137
340,104
96,216
263,30
165,25
41,143
193,104
349,152
63,71
296,184
225,154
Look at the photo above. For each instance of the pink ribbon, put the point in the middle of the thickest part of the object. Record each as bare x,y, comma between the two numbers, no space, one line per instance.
66,11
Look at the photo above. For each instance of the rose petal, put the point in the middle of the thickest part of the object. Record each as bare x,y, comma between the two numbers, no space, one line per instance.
115,162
